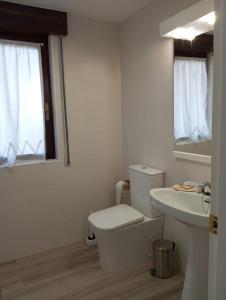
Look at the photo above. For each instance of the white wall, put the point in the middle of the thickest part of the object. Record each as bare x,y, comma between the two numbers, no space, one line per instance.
147,99
46,206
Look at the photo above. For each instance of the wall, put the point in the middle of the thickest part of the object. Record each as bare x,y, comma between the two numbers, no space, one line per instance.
46,206
147,101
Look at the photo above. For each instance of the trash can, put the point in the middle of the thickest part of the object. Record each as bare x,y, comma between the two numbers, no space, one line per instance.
163,259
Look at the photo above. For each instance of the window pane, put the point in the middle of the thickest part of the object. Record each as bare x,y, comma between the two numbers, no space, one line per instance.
22,129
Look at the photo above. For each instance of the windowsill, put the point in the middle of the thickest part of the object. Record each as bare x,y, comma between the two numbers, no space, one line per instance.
205,159
32,163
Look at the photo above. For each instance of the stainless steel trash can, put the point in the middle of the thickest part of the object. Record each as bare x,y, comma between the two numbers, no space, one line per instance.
163,259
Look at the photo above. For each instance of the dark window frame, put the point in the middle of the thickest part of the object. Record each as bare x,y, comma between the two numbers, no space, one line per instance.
200,47
48,105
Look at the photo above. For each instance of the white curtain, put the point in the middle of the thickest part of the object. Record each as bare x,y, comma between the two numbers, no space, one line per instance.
210,92
192,113
22,132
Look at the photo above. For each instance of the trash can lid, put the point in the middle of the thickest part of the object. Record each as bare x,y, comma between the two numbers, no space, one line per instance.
163,245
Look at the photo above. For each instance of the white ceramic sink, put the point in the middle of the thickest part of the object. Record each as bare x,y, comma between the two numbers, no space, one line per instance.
186,207
191,209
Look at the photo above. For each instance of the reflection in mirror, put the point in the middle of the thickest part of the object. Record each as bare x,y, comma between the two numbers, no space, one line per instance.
193,89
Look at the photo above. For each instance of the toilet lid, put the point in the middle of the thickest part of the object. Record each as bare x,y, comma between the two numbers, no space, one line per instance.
115,217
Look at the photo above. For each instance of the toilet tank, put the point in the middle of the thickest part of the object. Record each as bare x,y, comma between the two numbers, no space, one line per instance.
142,180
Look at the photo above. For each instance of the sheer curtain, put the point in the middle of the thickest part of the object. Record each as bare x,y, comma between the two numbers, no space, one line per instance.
192,112
210,92
22,132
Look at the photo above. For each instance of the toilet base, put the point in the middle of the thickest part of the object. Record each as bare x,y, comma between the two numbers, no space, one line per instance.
128,248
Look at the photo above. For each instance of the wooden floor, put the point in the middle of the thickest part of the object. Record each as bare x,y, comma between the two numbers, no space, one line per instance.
73,272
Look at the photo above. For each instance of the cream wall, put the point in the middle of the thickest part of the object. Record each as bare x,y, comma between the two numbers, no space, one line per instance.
46,206
147,102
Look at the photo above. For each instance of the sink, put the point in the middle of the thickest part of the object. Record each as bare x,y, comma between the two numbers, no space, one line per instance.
187,207
191,209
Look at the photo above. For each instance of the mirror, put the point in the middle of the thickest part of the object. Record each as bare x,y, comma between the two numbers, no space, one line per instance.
193,89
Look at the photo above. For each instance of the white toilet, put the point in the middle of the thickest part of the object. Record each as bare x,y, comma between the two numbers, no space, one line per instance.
125,233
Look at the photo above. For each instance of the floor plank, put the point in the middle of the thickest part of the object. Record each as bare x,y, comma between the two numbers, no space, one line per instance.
74,273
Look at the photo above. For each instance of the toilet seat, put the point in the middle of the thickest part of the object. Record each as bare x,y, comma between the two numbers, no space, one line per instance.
115,217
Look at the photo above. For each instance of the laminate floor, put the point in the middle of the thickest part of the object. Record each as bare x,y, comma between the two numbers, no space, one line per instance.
74,273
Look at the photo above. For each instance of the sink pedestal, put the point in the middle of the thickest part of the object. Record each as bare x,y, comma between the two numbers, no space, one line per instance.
188,208
196,279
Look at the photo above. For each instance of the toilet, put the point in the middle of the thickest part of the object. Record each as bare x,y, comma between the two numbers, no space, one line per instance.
125,234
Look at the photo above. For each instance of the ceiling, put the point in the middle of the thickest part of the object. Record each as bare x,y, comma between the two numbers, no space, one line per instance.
115,11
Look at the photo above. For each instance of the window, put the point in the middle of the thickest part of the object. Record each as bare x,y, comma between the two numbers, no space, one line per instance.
26,120
192,99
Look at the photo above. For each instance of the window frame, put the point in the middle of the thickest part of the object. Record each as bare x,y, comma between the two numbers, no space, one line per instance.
48,105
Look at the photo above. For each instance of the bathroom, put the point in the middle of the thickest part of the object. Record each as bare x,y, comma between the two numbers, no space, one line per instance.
117,104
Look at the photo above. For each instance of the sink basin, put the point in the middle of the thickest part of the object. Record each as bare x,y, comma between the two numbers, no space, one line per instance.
191,209
187,207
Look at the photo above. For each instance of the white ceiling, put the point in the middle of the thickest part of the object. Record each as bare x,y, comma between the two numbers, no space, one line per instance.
103,10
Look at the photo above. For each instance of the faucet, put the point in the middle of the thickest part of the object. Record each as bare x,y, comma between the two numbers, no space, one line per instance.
206,188
206,191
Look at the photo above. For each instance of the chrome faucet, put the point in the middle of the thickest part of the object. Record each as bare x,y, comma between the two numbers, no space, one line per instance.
206,188
206,191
